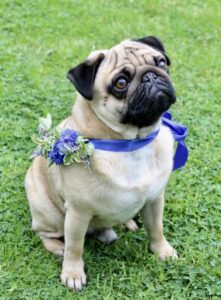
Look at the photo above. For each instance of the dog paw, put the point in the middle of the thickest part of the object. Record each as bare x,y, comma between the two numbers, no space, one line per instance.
163,250
73,280
107,236
131,225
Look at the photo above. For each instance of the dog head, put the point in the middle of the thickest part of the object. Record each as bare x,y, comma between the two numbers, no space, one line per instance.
128,84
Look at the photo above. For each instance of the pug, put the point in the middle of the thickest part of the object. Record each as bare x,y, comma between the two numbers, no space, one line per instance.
122,93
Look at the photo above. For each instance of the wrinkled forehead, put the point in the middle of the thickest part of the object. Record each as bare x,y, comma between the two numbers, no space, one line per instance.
131,54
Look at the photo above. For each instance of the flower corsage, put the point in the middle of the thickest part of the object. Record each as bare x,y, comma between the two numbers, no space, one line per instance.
61,146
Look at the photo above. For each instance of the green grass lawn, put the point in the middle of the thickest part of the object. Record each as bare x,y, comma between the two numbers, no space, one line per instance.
39,42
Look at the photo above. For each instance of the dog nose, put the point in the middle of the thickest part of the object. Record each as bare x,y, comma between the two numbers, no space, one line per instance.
150,77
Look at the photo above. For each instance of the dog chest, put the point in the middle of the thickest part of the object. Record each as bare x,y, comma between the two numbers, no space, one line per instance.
128,181
119,183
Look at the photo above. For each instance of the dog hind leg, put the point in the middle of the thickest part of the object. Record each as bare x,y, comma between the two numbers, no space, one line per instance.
55,246
107,236
47,218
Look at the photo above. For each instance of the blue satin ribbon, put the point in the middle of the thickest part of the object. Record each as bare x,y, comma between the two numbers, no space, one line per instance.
123,145
178,131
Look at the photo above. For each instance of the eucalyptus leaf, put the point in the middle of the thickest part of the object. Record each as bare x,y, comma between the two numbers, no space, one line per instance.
45,153
81,139
46,122
68,159
57,132
90,149
35,139
76,157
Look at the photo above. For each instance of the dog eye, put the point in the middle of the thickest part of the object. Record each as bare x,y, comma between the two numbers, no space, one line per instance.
121,84
162,64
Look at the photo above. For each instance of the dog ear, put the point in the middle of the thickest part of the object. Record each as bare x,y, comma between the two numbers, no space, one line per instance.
156,43
83,75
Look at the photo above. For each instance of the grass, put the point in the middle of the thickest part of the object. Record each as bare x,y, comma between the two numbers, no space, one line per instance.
40,41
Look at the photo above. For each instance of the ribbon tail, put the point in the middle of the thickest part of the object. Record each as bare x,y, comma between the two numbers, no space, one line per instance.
181,155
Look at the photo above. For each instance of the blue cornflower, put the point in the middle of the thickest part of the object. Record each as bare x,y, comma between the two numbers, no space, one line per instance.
68,136
65,144
55,155
68,141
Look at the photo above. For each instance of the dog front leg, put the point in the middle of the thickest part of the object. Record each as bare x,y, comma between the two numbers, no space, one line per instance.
152,216
75,228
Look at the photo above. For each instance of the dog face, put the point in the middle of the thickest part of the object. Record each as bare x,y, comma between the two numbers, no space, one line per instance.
128,84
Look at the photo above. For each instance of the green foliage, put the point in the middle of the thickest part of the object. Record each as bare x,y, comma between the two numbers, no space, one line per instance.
40,42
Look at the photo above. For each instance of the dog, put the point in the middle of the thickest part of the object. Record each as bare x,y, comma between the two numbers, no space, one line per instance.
122,93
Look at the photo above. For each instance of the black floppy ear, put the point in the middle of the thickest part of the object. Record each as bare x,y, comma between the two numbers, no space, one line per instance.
83,75
156,43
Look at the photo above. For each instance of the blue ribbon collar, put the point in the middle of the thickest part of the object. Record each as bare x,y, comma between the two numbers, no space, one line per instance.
178,131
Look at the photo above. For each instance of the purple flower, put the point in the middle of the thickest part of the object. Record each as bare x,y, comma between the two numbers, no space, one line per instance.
68,136
55,155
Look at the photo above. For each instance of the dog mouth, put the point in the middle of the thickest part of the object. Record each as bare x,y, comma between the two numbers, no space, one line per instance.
148,102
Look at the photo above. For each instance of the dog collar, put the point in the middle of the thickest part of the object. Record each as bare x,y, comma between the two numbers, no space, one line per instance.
178,131
65,146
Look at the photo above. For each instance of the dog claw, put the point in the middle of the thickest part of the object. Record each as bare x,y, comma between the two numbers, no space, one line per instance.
72,281
78,284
